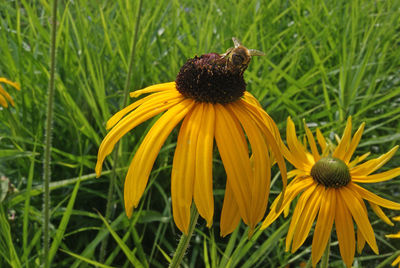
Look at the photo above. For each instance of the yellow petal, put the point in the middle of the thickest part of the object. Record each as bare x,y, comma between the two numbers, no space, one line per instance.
230,217
262,170
373,198
297,173
321,140
373,164
182,175
344,142
296,148
129,122
271,135
393,235
296,186
203,187
3,102
357,160
384,176
253,102
7,96
324,224
151,100
298,213
354,143
355,205
307,218
11,83
312,143
345,232
142,163
233,151
396,261
379,212
360,241
153,88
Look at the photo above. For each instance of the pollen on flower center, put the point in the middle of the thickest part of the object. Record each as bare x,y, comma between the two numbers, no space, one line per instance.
209,78
331,172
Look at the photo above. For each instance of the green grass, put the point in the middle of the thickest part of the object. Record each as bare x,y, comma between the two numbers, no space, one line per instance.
325,60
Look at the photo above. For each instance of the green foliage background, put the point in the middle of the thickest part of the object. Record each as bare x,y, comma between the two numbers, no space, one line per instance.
325,60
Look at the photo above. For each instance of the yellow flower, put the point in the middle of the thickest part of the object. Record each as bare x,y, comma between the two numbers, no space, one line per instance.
397,260
327,185
210,97
4,94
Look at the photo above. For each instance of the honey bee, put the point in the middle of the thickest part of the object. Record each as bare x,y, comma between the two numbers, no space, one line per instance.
239,56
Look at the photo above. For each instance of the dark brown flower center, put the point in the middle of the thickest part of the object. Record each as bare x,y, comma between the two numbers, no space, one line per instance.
331,172
210,78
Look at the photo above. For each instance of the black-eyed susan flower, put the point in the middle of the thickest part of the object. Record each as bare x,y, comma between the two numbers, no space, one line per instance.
397,260
4,96
209,96
327,184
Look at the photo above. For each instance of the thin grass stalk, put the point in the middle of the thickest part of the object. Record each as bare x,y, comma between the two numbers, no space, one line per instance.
116,153
185,239
48,136
325,257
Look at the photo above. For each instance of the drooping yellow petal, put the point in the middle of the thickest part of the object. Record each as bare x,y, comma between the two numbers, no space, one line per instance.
396,218
344,142
230,217
11,83
309,213
233,151
7,96
354,143
296,186
262,170
373,198
384,176
153,88
312,143
355,204
379,212
183,171
164,97
373,164
271,135
324,224
141,114
345,232
360,241
3,102
142,163
252,101
203,187
298,213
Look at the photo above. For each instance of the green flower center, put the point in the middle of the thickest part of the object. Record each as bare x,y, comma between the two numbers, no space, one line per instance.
210,78
331,172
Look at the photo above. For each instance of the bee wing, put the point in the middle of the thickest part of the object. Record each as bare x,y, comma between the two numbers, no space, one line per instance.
255,52
228,51
236,42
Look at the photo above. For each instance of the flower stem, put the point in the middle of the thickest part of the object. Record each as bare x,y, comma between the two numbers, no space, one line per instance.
116,155
325,257
185,239
47,142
